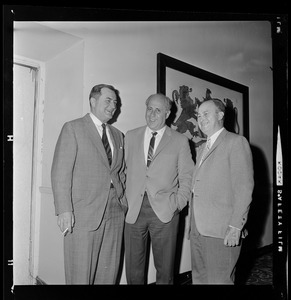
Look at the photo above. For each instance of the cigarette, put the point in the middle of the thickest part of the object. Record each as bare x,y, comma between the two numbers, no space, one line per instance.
65,231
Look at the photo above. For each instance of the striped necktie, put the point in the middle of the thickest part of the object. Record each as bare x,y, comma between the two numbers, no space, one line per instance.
106,144
151,148
205,151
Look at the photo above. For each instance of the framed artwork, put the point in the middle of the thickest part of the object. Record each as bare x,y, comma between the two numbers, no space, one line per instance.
188,86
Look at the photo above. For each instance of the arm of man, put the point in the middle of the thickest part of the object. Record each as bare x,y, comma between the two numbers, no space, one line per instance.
66,221
185,173
232,236
242,184
122,170
122,176
61,177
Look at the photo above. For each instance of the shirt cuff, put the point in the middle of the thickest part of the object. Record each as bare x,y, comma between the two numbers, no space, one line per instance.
234,227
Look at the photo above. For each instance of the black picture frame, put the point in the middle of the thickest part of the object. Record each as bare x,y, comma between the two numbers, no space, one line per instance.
166,63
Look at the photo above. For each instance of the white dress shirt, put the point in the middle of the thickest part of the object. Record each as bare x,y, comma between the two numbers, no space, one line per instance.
147,138
214,137
99,127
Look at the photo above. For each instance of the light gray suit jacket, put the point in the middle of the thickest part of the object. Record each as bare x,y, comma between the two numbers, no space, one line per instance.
168,178
223,186
81,174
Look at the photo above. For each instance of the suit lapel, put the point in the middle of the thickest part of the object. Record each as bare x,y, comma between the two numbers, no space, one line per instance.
164,141
141,145
214,146
95,137
200,155
116,144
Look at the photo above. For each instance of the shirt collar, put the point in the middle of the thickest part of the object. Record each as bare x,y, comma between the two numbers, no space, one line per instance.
160,131
215,136
95,120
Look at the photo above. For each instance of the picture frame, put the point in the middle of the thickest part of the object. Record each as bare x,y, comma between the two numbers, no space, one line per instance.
187,86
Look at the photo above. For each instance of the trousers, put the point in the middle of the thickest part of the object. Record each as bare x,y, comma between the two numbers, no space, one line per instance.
93,257
212,262
163,238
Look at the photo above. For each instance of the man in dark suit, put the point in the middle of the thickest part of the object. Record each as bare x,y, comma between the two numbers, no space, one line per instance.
88,185
159,170
222,192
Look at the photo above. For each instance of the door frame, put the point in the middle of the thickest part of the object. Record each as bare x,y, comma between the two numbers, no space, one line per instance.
37,153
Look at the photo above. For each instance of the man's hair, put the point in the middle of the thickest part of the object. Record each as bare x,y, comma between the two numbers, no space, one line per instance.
96,90
167,101
219,104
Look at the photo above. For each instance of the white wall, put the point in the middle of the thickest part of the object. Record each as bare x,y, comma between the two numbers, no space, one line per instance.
124,55
64,89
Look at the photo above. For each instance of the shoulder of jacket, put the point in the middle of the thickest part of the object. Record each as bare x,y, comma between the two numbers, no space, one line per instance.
235,137
177,134
74,122
135,130
116,130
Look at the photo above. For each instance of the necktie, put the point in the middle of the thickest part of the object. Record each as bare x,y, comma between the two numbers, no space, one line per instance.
106,144
151,148
205,151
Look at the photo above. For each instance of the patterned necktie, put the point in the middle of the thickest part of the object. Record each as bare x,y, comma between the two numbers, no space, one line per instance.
151,148
106,144
205,151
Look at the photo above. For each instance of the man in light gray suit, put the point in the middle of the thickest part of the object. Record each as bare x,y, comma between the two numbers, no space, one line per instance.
88,185
159,170
222,192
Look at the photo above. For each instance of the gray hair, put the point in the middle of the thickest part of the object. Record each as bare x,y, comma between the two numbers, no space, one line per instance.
167,101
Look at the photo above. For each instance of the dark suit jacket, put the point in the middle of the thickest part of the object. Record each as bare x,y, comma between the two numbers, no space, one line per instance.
81,174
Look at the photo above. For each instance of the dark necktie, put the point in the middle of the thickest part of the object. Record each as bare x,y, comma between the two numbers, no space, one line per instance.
106,144
151,148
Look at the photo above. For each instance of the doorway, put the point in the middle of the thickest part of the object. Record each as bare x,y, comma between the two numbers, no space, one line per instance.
25,104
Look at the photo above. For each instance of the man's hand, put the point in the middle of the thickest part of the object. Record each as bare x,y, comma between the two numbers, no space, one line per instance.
232,236
66,220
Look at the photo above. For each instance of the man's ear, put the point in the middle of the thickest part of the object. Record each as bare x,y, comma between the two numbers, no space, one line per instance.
92,102
168,113
220,115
